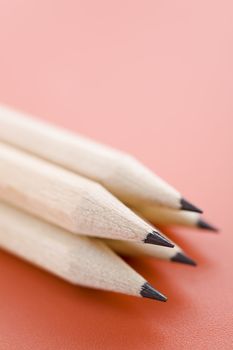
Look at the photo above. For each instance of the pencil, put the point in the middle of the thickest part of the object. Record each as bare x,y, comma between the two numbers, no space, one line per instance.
70,201
171,217
80,260
135,249
132,249
117,171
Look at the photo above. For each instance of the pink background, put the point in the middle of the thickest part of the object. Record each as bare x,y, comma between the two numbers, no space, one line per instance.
153,78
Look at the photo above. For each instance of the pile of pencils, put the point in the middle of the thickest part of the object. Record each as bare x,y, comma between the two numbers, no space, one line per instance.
73,207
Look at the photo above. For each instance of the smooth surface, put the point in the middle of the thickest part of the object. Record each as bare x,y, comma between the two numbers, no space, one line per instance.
154,79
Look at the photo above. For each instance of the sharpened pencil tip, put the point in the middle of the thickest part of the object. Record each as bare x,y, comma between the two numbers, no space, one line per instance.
147,291
156,238
185,205
184,259
205,226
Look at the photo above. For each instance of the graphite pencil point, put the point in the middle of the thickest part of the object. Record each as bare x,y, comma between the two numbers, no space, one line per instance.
204,225
184,259
147,291
156,238
185,205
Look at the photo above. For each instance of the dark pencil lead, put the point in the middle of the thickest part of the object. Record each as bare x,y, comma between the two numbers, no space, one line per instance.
185,205
184,259
147,291
204,225
156,238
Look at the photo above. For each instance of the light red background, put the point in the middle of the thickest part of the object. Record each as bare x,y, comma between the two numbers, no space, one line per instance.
153,78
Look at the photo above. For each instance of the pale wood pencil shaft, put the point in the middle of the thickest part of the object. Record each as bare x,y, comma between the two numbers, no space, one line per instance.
79,260
133,249
161,216
166,216
66,199
120,173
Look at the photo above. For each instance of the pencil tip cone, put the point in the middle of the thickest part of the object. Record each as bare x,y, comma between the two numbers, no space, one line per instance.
185,205
183,259
158,239
205,226
147,291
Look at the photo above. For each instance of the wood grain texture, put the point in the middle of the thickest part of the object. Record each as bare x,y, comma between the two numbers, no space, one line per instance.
65,199
79,260
120,173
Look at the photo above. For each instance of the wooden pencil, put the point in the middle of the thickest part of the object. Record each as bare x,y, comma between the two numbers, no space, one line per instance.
117,171
133,249
70,201
161,216
80,260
